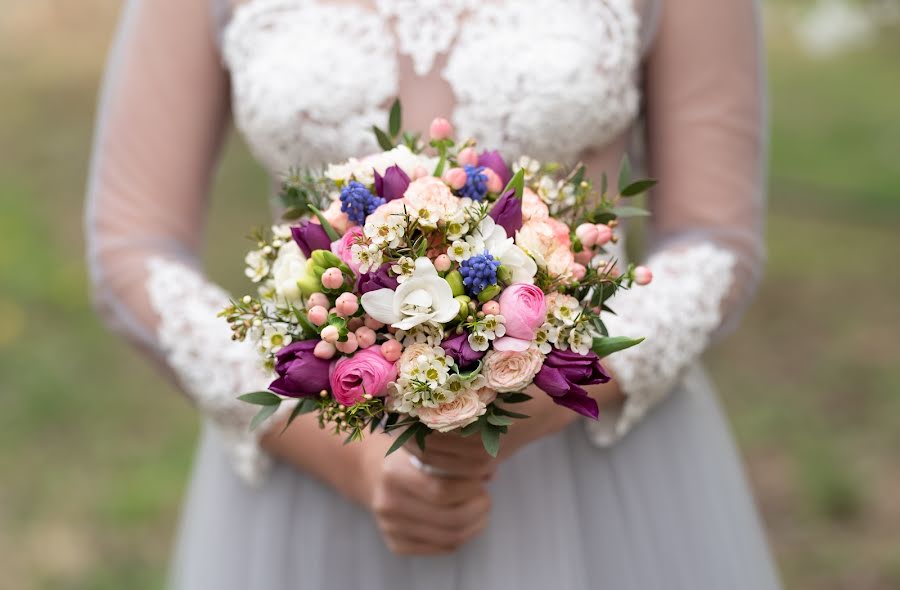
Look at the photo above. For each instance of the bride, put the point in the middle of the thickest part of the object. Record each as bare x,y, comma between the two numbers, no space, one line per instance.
650,497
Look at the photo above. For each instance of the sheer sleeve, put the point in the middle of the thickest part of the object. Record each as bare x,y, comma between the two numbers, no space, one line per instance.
705,125
162,113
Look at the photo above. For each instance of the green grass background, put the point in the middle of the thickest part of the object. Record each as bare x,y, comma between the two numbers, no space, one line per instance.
95,447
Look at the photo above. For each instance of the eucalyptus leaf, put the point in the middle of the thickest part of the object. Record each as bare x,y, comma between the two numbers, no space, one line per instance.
472,428
625,212
421,432
624,173
511,414
261,416
515,398
326,225
395,118
294,213
604,346
402,438
638,187
383,140
260,398
499,420
490,438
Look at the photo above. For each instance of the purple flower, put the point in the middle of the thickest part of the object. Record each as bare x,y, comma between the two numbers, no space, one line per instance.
310,236
358,203
392,185
563,374
458,348
379,279
300,373
507,212
495,162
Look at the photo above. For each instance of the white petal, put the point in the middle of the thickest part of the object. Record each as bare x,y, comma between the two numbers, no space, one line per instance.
424,268
412,321
508,343
447,311
419,298
380,305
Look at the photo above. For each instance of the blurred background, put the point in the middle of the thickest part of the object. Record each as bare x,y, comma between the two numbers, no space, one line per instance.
95,447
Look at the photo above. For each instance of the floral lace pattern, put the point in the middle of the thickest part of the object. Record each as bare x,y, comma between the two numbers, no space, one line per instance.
677,313
309,78
211,367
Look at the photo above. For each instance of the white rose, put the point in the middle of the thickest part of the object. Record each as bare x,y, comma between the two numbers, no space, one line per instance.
288,268
462,411
423,297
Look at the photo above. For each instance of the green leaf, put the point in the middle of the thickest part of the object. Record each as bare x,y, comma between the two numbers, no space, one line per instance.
624,173
263,413
516,183
490,438
383,140
332,234
505,412
472,428
471,374
604,184
625,212
606,346
260,398
305,406
421,432
402,438
638,187
578,177
395,118
499,420
515,398
293,213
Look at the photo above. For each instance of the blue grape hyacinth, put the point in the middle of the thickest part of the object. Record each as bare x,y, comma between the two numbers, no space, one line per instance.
479,272
358,203
476,183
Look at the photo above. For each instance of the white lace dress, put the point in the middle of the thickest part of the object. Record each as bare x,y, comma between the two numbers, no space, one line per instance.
652,497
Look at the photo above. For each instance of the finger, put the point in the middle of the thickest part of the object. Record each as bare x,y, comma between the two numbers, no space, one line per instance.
456,528
460,467
435,490
455,443
412,546
446,517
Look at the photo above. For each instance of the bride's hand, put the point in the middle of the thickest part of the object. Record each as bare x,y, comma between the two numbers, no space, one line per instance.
418,513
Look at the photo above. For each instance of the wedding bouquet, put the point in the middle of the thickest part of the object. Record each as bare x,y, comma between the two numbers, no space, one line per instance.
426,290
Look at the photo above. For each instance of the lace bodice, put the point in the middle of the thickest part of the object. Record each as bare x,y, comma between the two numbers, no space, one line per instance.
305,79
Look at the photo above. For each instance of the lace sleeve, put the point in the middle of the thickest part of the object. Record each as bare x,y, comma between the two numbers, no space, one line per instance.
705,136
162,112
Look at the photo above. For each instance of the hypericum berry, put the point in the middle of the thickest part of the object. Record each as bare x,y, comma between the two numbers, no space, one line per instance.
358,203
317,315
479,272
440,129
643,275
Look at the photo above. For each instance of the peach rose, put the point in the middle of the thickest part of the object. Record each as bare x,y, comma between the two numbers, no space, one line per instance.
511,370
462,411
532,206
430,200
337,218
487,395
547,240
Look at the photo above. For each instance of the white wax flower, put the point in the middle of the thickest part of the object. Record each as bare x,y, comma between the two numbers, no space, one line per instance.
423,297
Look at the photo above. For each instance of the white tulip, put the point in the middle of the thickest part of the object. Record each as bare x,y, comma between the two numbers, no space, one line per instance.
422,297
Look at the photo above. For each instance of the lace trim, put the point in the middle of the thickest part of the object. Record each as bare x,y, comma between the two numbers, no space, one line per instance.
211,367
677,313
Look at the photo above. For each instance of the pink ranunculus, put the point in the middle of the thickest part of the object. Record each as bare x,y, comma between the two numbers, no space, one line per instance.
341,248
462,411
367,371
337,218
524,309
532,206
511,371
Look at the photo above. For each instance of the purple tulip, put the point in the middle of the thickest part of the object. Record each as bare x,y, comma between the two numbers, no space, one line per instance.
563,374
507,212
300,373
379,279
310,236
392,185
495,162
458,348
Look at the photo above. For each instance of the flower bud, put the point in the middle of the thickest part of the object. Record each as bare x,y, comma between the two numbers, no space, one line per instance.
604,234
504,275
333,278
442,263
489,293
494,183
440,129
491,308
349,346
317,315
643,275
325,259
456,283
317,299
330,334
347,304
324,350
391,350
467,157
455,178
578,271
365,337
587,234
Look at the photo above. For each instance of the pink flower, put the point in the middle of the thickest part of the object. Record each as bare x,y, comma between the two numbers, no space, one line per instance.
547,240
367,371
462,411
440,129
429,198
487,395
341,248
523,309
532,206
337,218
511,370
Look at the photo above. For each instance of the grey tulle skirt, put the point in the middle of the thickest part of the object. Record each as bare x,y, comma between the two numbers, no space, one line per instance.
666,508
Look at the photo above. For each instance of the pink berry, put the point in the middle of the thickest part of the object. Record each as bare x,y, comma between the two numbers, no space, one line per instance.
494,183
324,350
353,324
442,263
440,129
467,157
455,178
365,337
491,307
349,346
643,275
347,304
578,271
391,350
604,233
330,334
317,315
584,257
587,234
372,323
317,299
332,278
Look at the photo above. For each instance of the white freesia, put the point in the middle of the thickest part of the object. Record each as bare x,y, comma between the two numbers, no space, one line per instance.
492,237
423,297
288,268
363,169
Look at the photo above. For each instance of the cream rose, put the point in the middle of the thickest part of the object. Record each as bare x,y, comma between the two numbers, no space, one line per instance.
511,370
547,240
462,411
